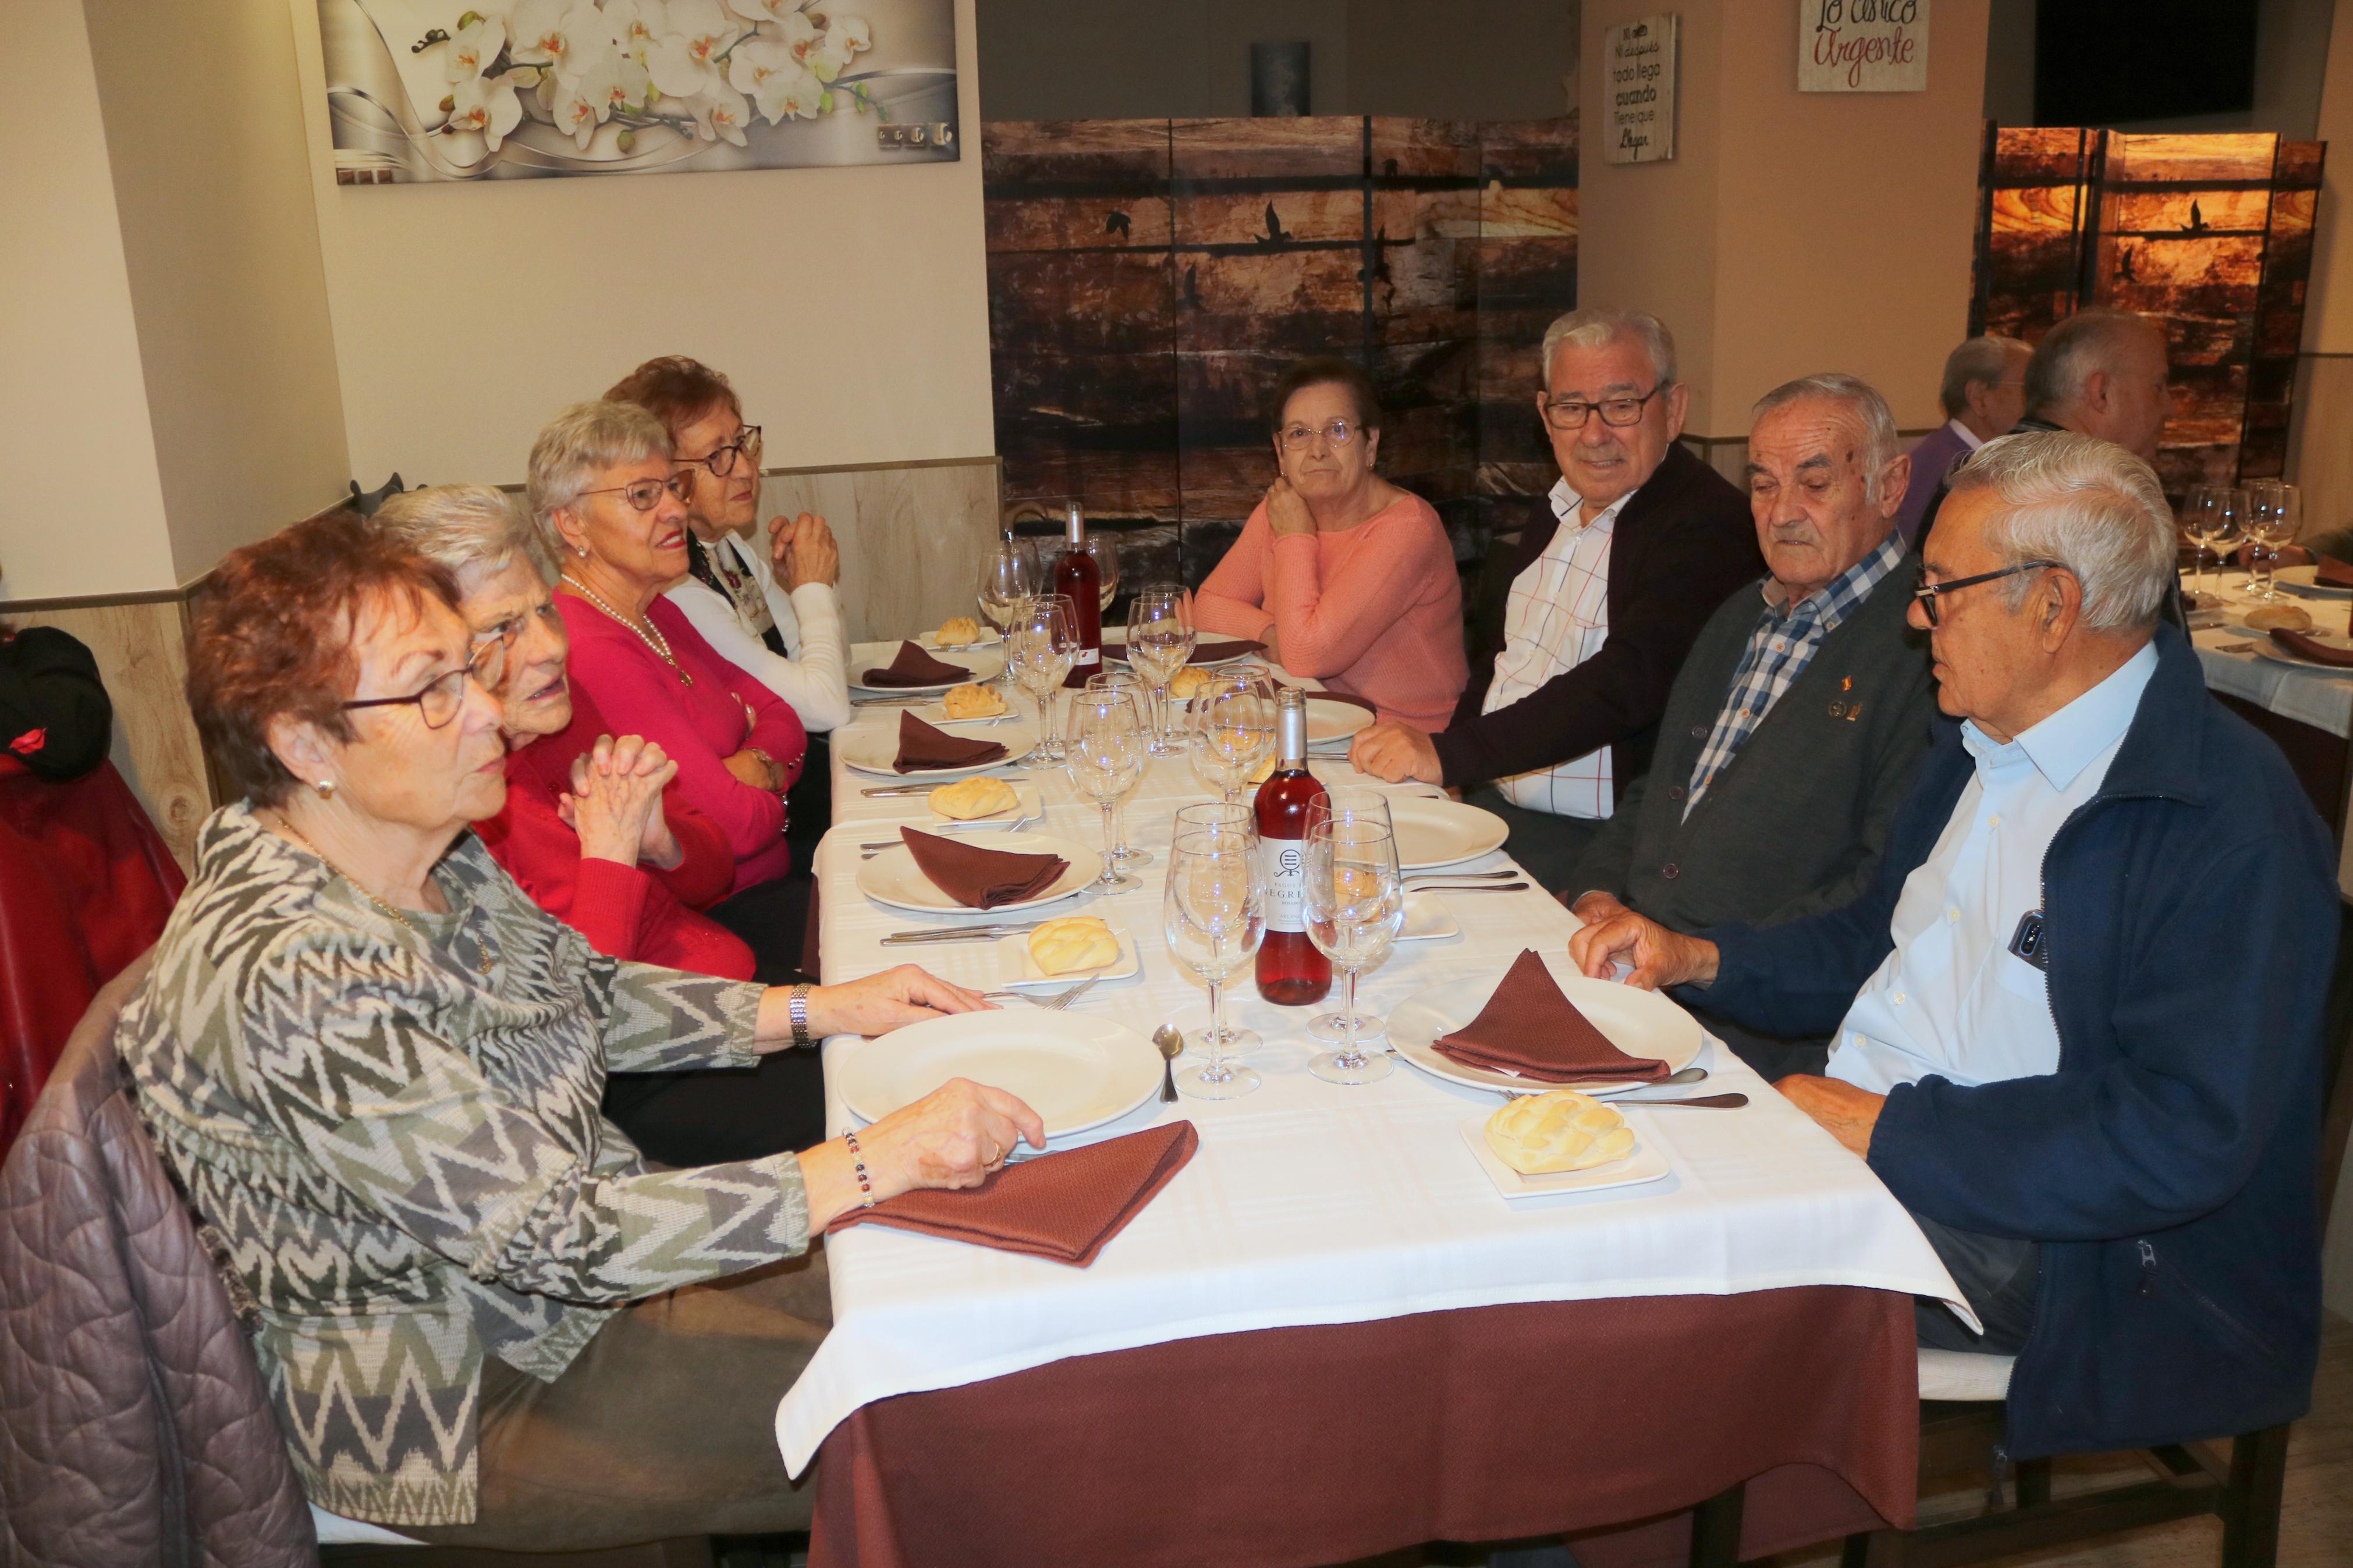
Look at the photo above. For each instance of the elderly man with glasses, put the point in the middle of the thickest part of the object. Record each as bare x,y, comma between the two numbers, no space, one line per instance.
2079,1009
1646,542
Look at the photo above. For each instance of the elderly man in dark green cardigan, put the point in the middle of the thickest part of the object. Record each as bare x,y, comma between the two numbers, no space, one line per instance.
1796,725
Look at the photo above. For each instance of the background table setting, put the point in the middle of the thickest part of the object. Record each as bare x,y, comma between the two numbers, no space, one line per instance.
1342,1325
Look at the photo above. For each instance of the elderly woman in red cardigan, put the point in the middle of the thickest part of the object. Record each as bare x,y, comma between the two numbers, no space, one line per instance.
593,830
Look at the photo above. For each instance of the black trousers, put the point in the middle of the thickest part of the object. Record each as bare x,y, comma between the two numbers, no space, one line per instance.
1547,846
1998,1277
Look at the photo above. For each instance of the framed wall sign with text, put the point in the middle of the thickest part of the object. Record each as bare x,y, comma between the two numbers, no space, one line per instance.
1640,58
1863,46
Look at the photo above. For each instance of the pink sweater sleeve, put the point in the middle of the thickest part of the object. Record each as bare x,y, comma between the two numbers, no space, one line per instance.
1231,603
1327,623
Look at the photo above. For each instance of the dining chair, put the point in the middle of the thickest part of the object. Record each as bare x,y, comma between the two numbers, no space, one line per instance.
1962,1419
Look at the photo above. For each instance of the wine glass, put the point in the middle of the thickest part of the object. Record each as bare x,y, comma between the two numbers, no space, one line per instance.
1159,641
2273,510
1039,645
2199,510
1237,817
1371,808
1007,576
1213,914
1232,724
1106,757
1352,901
1106,559
1124,854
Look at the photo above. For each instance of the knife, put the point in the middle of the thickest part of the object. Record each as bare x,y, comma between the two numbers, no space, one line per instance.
955,933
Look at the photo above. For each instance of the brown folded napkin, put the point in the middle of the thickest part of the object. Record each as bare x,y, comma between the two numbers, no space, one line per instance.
1065,1206
2313,648
980,878
1208,652
923,745
2335,573
1528,1027
913,666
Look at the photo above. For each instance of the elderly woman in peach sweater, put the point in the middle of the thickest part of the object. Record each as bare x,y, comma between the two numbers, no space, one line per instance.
1344,576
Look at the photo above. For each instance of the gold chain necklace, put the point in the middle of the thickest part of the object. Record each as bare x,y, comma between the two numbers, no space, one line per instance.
385,904
646,633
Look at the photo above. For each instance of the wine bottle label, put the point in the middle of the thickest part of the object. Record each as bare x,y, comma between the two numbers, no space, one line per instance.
1087,656
1285,861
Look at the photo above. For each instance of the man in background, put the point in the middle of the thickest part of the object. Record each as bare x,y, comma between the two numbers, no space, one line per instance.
1984,395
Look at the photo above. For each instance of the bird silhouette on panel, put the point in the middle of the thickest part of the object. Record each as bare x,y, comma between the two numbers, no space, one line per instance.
2196,224
1274,237
2124,264
1116,223
1193,287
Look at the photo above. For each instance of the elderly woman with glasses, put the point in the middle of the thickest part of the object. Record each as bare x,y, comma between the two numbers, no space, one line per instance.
375,1065
593,831
1344,576
603,481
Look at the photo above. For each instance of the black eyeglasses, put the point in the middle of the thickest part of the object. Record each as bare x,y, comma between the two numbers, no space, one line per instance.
646,494
722,460
1927,592
438,699
1571,413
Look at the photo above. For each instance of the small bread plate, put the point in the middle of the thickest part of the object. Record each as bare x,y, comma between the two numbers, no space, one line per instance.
866,656
1638,1023
892,878
1075,1070
1442,832
2303,582
1018,970
1028,807
2266,649
935,713
1427,920
1331,725
1646,1163
930,641
873,749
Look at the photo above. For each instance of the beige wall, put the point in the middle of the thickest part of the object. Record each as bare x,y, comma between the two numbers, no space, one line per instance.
84,512
849,305
222,242
1792,232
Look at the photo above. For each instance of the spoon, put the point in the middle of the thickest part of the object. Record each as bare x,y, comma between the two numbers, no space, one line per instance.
1170,1042
1704,1103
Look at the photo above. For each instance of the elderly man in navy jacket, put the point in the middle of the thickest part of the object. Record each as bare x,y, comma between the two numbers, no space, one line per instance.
2078,1013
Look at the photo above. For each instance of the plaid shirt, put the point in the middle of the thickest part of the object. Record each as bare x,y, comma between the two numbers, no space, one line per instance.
1779,651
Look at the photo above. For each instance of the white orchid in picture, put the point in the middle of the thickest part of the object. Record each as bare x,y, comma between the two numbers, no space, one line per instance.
702,68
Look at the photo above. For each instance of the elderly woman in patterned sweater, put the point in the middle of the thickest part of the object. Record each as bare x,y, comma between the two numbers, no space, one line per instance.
375,1066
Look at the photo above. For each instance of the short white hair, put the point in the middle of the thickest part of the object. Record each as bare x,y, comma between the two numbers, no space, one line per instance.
2094,339
2089,505
1981,361
581,443
464,526
1860,398
1598,326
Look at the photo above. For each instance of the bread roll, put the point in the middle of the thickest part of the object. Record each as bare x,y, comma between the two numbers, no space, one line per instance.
956,631
968,798
971,701
1190,680
2280,617
1072,944
1561,1130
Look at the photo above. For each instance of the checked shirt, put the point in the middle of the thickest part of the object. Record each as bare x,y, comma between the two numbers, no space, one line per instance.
1778,653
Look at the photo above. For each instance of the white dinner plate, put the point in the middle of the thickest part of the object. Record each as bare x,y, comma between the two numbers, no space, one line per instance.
873,749
1028,807
2266,649
863,657
1427,920
1330,724
1114,645
1442,832
1075,1071
2300,580
989,637
893,878
1016,707
1017,969
1646,1163
1638,1023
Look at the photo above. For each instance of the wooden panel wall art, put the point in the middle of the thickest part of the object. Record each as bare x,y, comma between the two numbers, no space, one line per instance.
1149,280
2210,236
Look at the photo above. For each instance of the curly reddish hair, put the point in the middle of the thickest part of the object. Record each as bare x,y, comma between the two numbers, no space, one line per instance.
676,390
270,635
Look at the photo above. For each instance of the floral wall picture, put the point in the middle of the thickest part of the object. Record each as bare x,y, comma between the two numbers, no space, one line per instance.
422,91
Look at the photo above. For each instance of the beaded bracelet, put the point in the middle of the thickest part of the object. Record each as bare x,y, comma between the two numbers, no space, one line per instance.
857,1164
796,1005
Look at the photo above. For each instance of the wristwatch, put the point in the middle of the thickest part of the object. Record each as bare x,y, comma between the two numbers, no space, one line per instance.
768,763
796,1004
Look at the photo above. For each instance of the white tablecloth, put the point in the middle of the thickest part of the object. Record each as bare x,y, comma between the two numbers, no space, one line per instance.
1308,1202
2318,698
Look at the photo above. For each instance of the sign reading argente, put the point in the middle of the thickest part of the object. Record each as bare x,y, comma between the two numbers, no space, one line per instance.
1640,60
1863,46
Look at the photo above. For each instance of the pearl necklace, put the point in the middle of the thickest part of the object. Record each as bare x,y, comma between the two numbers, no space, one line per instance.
647,634
487,958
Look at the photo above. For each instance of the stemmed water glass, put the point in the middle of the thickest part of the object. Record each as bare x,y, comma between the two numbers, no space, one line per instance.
1123,854
1106,757
1352,899
2273,510
1214,913
1238,817
1007,576
1039,646
1370,807
2199,509
1106,559
1159,641
1232,723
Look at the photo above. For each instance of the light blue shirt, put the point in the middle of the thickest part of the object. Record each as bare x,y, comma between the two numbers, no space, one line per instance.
1951,999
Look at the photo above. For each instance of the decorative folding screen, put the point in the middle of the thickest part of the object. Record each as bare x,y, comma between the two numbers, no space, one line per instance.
2209,235
1148,281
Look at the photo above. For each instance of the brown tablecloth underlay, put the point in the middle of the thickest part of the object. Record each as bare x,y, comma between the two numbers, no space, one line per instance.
1312,1445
